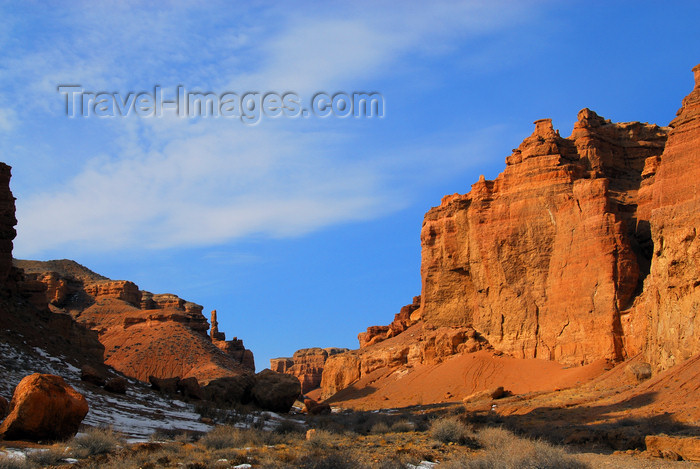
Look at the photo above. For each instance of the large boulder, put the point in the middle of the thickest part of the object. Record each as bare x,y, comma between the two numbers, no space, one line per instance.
92,375
314,408
275,391
230,389
116,385
164,385
44,407
189,387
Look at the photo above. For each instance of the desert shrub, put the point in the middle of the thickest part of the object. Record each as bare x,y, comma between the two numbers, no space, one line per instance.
230,437
495,437
380,428
321,439
222,437
505,450
331,460
95,441
47,457
403,426
451,430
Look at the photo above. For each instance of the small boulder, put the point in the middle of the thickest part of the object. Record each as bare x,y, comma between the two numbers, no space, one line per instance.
673,447
189,387
116,385
493,393
314,408
275,391
44,407
639,371
164,385
91,375
4,407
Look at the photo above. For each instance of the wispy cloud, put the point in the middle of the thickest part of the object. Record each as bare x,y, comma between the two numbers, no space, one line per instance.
167,182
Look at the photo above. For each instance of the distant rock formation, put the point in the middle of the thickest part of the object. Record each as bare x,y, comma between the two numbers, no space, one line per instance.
306,364
144,334
233,347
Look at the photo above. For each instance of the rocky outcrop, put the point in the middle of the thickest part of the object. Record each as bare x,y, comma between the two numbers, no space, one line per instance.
306,364
233,348
7,223
673,447
118,289
672,205
402,321
143,334
44,407
540,260
418,345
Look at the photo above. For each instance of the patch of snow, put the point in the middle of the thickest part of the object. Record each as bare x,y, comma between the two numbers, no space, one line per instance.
422,465
13,453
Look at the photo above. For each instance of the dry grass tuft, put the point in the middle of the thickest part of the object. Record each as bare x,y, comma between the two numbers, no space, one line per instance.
451,430
505,450
95,441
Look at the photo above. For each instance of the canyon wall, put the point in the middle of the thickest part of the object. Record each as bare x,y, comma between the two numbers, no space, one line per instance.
542,259
672,290
306,364
584,248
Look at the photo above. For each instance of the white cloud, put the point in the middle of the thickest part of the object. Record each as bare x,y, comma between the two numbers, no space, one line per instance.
164,183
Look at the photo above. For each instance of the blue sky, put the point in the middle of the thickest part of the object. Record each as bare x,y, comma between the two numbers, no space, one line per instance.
302,232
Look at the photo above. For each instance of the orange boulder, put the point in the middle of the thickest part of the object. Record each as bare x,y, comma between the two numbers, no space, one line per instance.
44,407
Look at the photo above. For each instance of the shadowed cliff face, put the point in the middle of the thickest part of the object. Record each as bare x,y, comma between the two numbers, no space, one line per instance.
672,290
7,223
542,260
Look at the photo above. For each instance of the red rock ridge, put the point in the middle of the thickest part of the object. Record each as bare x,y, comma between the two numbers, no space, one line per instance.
144,334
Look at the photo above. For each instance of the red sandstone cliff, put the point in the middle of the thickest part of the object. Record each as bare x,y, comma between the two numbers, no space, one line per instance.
144,334
585,248
672,289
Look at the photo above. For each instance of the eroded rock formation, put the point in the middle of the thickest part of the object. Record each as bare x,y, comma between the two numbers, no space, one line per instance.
306,364
540,260
584,248
672,289
143,334
233,347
